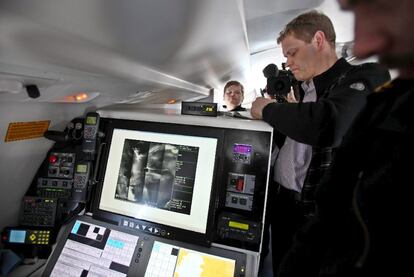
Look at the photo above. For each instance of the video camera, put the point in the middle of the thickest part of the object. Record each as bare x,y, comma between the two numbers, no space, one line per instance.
279,82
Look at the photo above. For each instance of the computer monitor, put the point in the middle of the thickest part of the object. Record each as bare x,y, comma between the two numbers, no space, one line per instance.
159,174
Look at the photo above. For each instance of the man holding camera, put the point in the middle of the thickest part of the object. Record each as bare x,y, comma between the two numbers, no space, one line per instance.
332,93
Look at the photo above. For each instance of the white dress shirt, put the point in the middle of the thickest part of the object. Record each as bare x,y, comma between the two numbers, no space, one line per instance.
293,158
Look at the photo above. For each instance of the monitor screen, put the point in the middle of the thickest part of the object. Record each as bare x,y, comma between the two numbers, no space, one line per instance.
17,236
160,177
170,260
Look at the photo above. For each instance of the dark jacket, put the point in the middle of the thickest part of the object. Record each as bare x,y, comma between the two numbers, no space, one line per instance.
363,225
238,108
323,123
341,94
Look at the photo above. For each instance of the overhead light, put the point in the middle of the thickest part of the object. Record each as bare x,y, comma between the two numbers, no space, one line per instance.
79,97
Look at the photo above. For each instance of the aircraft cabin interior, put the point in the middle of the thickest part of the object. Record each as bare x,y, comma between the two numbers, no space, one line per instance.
117,155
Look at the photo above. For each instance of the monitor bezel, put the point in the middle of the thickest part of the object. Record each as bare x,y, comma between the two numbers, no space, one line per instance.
170,232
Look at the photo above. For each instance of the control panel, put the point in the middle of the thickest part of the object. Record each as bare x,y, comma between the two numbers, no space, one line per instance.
38,211
26,236
239,201
240,191
61,165
152,172
57,182
244,178
60,189
51,187
90,132
234,227
242,153
132,224
81,181
91,247
199,108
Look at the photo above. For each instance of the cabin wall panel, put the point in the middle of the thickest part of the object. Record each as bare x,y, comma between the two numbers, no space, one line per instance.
19,160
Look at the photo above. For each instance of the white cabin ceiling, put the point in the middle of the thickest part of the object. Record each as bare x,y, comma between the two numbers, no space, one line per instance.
175,49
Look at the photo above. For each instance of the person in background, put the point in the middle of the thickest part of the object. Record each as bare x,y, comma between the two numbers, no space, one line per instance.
332,93
363,224
233,96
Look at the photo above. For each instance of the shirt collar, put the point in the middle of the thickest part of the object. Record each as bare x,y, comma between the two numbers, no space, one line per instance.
308,86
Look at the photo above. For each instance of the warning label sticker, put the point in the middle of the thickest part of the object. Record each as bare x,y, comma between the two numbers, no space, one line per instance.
26,130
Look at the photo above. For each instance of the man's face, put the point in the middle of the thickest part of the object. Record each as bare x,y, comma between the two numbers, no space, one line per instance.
383,28
301,57
233,96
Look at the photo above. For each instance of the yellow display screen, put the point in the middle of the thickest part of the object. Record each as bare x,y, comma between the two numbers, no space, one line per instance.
81,168
238,225
207,108
91,120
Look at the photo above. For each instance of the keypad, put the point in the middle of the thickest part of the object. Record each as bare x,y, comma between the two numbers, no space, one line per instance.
38,211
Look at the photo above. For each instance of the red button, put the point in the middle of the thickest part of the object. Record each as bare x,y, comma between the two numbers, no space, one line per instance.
52,159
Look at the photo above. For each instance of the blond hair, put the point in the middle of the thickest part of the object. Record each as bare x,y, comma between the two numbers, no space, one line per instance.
306,25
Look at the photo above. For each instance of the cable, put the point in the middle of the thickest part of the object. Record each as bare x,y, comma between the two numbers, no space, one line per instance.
97,162
74,213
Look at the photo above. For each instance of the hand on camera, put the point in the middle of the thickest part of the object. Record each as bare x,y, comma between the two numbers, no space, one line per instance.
258,105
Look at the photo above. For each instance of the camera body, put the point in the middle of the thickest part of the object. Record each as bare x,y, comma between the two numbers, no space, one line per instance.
279,82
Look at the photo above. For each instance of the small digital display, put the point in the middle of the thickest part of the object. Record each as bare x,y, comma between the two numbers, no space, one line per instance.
81,168
242,148
91,120
17,236
208,108
238,225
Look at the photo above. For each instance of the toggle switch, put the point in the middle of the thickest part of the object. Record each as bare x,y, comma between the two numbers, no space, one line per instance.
240,184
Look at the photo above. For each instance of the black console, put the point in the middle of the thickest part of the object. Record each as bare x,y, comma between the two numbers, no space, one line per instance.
164,198
93,247
38,211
